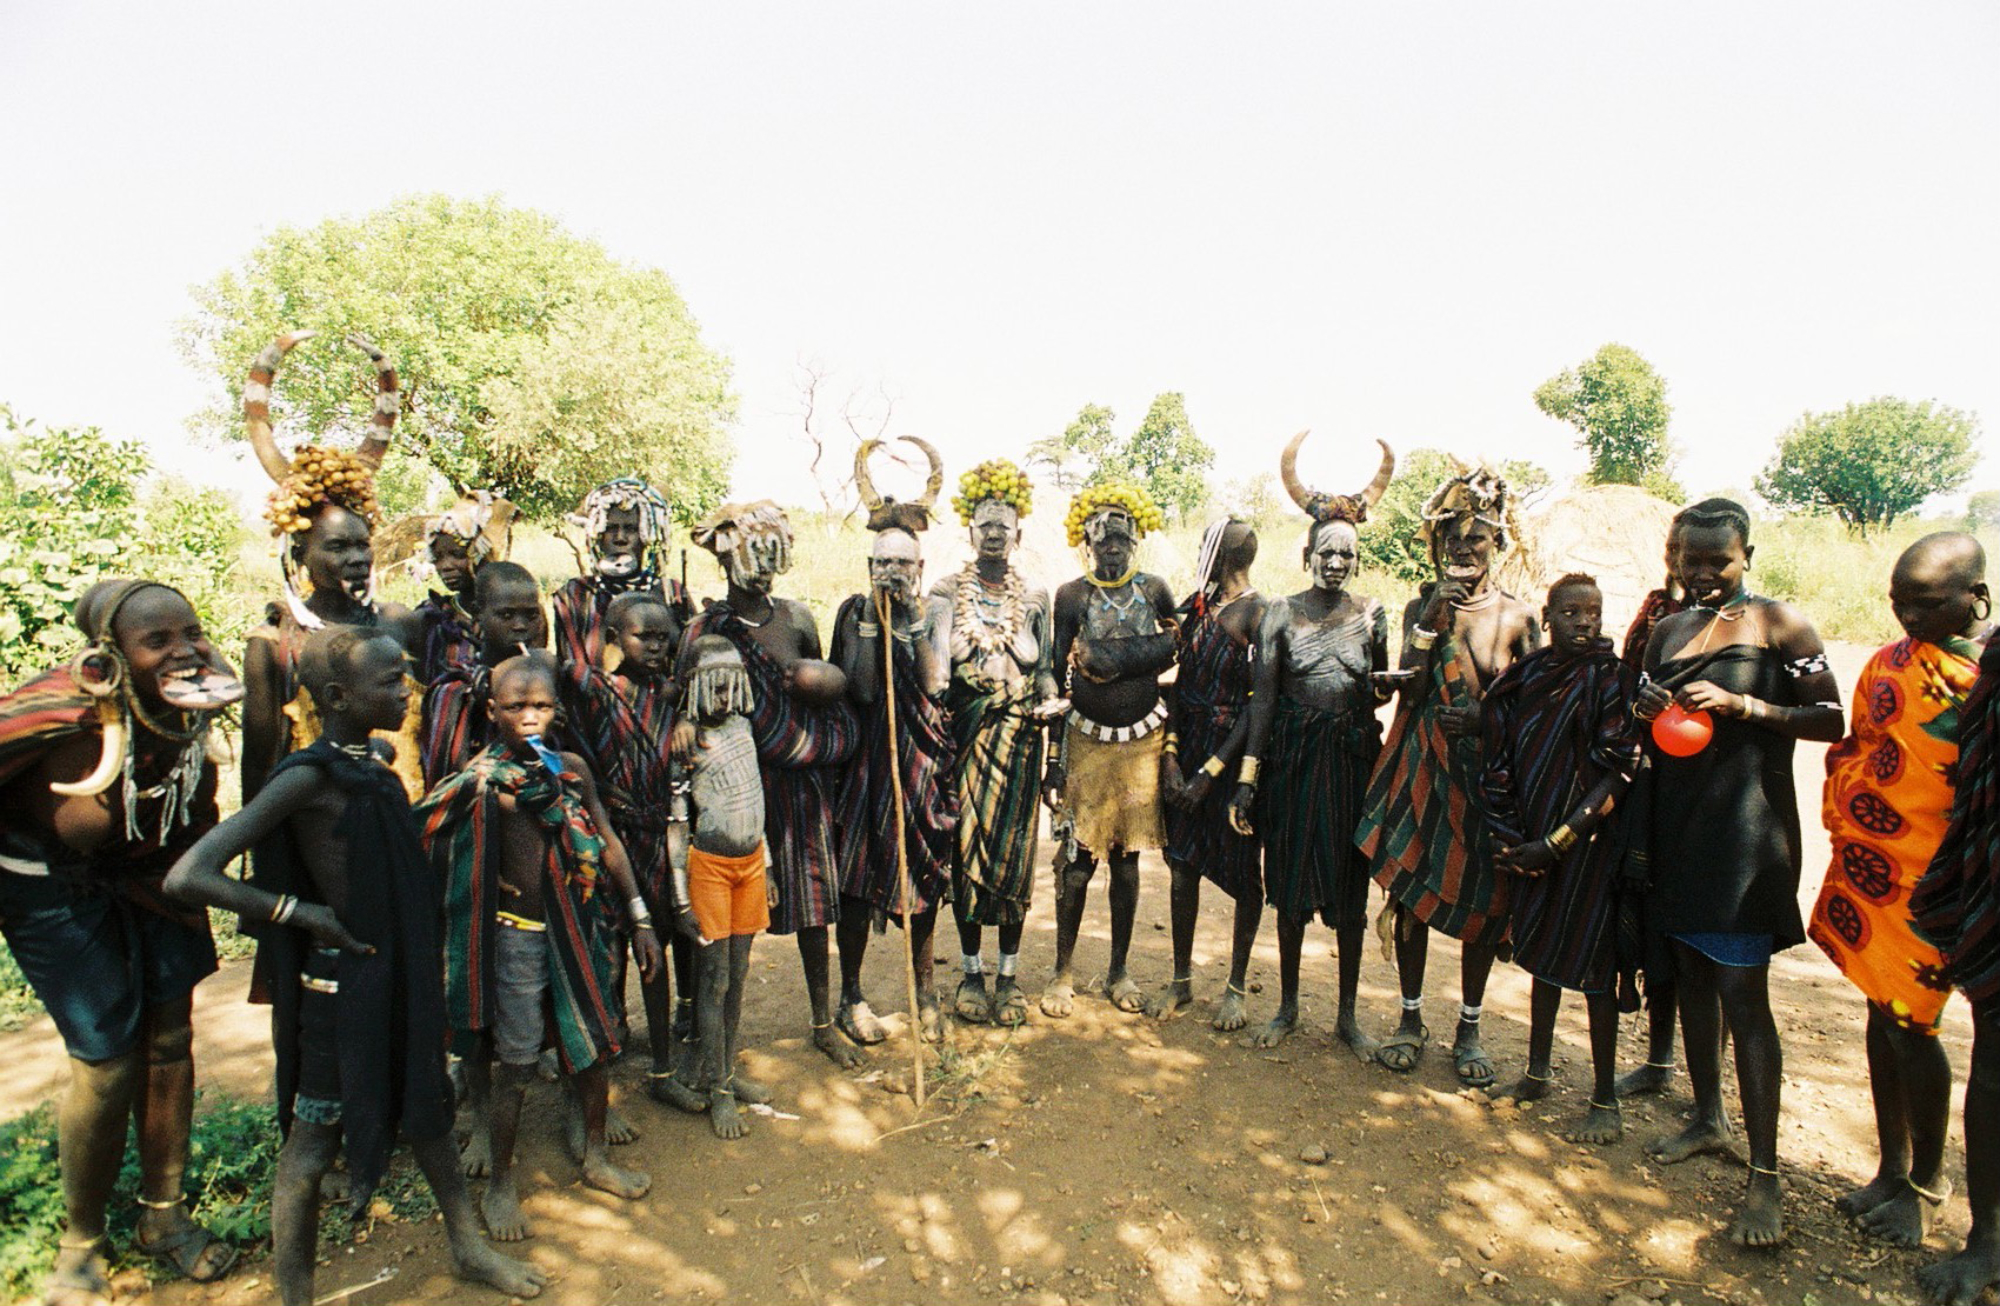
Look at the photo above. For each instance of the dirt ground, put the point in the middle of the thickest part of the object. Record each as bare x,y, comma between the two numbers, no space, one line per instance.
1110,1159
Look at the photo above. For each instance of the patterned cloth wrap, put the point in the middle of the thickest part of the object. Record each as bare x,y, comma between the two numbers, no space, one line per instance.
461,831
1211,692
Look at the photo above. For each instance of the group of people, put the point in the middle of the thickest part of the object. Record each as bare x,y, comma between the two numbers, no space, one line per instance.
664,784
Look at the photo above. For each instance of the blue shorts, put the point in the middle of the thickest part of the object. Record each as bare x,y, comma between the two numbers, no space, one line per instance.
1742,950
96,960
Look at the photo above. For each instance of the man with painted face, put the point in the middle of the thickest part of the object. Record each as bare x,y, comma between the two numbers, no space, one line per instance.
904,735
1210,720
104,781
323,512
1002,689
1115,635
1887,804
456,545
804,728
626,522
1421,828
1322,655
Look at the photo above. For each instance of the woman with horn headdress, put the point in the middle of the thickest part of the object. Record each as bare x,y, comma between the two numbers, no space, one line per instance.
1321,655
1422,830
104,781
918,630
323,514
1210,719
626,522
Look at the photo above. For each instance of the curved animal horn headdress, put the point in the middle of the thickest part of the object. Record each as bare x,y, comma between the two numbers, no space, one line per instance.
1321,506
257,403
889,514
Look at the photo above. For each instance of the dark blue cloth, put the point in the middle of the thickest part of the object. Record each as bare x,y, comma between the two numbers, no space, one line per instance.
1730,949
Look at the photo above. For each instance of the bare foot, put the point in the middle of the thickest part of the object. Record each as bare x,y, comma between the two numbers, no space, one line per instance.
605,1177
670,1090
479,1263
1647,1079
1173,997
1123,993
1531,1088
838,1050
723,1117
749,1090
1713,1136
1958,1280
78,1278
857,1020
930,1021
502,1208
1872,1194
1760,1221
1280,1028
618,1131
1600,1126
1900,1221
1059,1000
1348,1030
475,1157
1231,1013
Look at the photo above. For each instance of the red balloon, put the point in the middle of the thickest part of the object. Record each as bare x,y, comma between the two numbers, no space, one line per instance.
1682,734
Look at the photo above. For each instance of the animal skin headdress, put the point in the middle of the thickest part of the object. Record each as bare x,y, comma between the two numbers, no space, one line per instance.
886,514
655,514
1324,507
740,533
718,685
482,523
316,476
1477,492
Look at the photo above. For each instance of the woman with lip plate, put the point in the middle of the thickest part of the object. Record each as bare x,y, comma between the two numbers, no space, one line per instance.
323,514
104,782
1722,839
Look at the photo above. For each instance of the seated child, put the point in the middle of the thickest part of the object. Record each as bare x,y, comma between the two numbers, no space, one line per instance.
519,839
347,918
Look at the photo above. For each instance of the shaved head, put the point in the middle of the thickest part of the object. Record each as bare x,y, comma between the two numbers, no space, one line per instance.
1948,556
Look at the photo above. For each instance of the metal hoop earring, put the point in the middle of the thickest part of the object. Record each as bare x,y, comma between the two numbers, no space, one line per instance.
1985,607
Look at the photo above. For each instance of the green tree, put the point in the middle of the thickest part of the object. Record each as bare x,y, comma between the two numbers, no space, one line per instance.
1618,404
532,362
1982,511
1168,458
1391,541
1073,458
74,511
1870,462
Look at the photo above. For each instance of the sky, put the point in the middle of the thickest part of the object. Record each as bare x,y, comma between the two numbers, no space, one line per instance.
1387,220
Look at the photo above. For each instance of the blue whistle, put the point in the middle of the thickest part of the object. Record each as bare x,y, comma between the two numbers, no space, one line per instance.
550,758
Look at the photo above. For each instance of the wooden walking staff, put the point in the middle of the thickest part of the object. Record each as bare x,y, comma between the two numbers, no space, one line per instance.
902,849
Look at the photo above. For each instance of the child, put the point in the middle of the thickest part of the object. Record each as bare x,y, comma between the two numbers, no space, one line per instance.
639,629
1559,724
519,839
349,945
1887,801
722,880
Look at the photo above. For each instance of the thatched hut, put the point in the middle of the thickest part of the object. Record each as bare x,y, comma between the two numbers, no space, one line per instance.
1617,533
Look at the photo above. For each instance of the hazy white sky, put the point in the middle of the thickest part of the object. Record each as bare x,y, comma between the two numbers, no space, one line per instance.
1372,219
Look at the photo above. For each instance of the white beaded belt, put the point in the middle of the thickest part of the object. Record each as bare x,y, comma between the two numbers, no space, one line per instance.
1120,734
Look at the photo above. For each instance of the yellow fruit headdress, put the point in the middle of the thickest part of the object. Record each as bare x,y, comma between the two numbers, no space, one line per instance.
1112,497
997,480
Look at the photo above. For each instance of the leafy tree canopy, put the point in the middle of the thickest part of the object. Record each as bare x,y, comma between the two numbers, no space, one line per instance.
1618,404
1164,454
1870,462
1075,454
532,362
75,508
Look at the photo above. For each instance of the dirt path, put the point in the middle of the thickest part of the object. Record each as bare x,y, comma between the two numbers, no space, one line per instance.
1109,1159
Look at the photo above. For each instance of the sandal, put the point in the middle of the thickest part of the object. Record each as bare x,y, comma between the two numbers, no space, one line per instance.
1010,1005
1467,1058
857,1020
82,1281
188,1248
1407,1047
971,1004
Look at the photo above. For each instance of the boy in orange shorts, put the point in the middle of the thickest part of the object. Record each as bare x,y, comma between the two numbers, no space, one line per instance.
722,881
